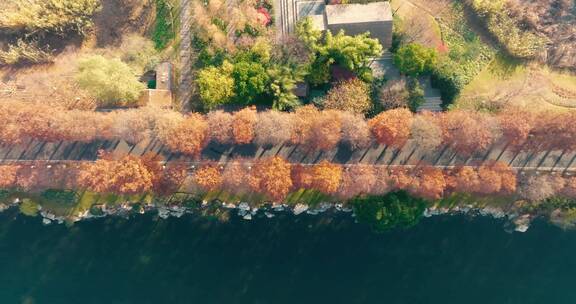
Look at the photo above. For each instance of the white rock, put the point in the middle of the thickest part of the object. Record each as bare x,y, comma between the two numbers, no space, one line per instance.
269,215
248,217
46,221
299,208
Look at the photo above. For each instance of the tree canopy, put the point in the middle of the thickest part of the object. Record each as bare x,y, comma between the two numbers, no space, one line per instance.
216,85
111,81
414,59
350,52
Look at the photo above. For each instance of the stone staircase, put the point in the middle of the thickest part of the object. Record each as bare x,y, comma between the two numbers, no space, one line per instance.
432,100
432,104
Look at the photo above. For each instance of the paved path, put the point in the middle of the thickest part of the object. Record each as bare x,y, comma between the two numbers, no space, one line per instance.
185,56
409,156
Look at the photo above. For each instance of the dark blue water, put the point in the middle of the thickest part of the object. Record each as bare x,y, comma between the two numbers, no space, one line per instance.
287,259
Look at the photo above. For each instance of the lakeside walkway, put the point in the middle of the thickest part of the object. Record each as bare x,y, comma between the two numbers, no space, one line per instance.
409,156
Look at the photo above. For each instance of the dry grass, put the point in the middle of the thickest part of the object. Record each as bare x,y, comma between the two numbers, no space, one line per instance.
533,87
420,26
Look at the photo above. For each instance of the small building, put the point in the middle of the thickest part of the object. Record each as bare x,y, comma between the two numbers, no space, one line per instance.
160,94
354,19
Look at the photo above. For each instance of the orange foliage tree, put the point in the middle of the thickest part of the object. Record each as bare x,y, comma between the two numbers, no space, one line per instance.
429,183
468,132
357,179
516,127
325,133
8,175
271,176
235,175
128,175
208,177
189,136
243,125
326,177
392,127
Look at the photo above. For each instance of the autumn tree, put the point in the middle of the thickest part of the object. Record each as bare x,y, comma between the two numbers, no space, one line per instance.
383,183
273,128
172,177
208,177
553,130
325,132
235,175
243,126
326,177
516,126
468,132
357,179
401,178
430,183
355,131
352,95
302,124
496,178
220,126
8,175
271,176
537,188
426,132
301,176
189,135
126,176
464,179
392,127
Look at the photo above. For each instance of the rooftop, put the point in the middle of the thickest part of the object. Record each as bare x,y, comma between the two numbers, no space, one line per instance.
358,13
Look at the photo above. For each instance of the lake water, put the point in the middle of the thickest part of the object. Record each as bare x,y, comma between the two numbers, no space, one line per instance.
287,259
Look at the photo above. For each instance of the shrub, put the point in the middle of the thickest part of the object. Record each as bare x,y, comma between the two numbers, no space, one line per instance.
415,94
29,207
56,16
250,81
111,81
216,85
393,94
394,210
352,96
24,52
414,59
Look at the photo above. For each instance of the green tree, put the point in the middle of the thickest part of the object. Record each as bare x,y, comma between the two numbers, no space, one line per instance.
282,83
415,94
394,210
414,59
250,81
216,85
111,81
351,52
308,34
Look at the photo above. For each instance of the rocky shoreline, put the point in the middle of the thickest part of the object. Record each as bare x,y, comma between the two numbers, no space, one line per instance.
514,220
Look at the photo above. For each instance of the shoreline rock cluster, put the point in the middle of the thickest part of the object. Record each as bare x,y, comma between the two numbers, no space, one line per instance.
515,221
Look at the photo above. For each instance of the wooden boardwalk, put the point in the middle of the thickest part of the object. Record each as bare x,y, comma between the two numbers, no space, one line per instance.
410,155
